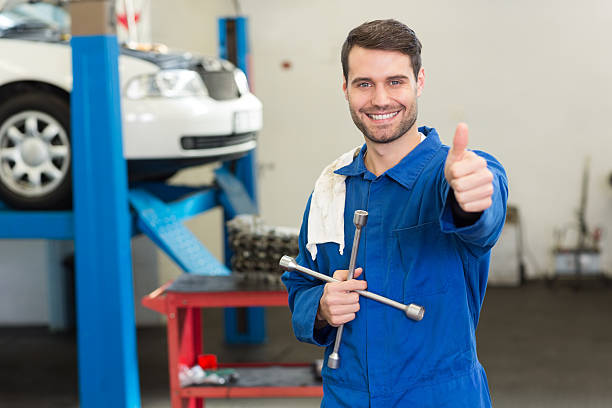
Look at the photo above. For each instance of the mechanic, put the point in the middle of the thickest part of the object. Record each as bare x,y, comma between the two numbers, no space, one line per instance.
434,214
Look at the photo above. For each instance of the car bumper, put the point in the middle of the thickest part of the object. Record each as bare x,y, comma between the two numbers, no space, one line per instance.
165,128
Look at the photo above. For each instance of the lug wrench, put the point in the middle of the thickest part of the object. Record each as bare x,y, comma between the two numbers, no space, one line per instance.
360,218
412,311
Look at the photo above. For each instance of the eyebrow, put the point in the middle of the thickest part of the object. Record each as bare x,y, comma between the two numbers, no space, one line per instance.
360,79
366,79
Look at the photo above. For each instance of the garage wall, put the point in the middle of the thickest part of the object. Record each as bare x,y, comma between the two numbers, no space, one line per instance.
532,79
189,25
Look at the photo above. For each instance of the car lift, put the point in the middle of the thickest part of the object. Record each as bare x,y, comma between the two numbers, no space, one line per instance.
101,225
158,210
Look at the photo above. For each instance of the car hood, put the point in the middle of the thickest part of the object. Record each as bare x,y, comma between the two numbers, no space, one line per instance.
179,60
27,26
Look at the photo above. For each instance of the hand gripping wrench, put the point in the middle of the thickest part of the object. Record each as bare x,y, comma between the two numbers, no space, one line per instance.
360,218
412,311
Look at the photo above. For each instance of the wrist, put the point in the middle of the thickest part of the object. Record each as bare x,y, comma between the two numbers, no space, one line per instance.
320,321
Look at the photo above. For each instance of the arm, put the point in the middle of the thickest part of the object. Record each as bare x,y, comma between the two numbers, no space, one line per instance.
317,308
305,293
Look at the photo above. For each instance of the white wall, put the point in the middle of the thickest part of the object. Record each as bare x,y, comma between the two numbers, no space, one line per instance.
188,24
532,79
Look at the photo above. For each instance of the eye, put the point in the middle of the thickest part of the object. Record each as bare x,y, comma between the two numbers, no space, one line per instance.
395,82
363,85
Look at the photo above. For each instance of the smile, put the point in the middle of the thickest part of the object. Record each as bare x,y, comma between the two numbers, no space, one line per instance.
382,116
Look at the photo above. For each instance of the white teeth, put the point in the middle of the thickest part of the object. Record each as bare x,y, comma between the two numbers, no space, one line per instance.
385,116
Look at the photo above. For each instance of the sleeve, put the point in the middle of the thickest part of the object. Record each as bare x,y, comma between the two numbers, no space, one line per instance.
305,293
482,234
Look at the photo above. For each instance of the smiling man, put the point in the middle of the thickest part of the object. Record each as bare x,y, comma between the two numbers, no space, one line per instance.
435,212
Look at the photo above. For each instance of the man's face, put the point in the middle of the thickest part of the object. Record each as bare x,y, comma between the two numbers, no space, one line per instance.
382,93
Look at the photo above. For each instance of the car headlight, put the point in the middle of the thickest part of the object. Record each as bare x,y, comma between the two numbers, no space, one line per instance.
169,83
241,81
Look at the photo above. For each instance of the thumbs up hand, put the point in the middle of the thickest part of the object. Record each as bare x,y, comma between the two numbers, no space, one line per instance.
467,174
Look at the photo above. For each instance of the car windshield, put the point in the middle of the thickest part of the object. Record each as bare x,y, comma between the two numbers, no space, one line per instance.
22,18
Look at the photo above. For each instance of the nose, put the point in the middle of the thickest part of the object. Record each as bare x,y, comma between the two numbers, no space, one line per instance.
380,97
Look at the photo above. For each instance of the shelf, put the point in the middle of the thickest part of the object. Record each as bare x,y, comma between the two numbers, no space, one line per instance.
263,380
183,302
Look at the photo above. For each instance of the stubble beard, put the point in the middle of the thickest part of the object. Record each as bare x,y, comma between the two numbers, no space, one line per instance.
404,126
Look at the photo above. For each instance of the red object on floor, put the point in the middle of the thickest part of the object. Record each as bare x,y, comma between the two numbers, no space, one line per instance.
184,331
208,361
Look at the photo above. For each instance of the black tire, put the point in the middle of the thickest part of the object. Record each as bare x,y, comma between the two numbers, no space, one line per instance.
58,108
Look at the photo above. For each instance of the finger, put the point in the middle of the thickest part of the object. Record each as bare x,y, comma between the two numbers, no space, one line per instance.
338,310
336,289
353,284
342,319
341,274
460,142
475,194
341,298
470,163
477,206
472,181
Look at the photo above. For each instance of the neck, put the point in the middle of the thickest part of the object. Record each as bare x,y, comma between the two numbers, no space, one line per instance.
381,157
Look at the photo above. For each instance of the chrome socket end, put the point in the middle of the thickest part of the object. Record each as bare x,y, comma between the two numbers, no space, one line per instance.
333,361
360,218
287,263
415,312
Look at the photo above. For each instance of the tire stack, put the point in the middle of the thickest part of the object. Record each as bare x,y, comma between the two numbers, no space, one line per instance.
257,248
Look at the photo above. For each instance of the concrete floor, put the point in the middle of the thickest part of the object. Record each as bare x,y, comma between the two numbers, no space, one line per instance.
540,347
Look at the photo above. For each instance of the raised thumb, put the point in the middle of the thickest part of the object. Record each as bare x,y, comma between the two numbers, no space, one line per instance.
460,141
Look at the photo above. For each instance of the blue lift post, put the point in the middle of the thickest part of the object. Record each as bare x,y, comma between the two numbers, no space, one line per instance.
245,325
106,334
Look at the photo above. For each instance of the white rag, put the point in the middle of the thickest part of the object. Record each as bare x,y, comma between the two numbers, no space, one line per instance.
326,215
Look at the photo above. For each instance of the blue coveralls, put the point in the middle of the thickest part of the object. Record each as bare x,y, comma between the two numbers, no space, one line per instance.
412,252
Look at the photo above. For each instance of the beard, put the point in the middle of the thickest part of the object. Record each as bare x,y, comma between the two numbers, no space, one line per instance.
389,134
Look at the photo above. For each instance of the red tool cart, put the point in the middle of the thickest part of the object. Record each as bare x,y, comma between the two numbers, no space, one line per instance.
182,302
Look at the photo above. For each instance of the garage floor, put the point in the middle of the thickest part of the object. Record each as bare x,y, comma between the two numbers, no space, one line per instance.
541,348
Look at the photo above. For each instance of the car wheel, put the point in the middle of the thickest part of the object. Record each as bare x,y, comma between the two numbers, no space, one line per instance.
35,153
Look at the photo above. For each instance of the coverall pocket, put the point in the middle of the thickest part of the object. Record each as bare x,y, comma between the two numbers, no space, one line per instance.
426,257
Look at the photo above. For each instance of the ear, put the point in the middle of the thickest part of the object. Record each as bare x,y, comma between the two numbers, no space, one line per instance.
344,89
420,81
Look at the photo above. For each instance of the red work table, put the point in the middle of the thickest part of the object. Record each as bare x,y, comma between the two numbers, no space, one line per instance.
182,301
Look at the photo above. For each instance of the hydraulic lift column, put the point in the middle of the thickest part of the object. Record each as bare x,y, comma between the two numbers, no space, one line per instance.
107,358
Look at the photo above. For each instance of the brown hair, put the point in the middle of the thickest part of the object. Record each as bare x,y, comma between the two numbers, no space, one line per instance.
383,35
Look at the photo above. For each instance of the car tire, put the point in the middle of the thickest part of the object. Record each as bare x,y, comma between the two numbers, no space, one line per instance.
35,151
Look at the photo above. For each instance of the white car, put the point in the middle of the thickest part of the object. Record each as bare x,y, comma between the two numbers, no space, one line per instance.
178,110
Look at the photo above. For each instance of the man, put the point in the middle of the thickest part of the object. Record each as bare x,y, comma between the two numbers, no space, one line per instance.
434,214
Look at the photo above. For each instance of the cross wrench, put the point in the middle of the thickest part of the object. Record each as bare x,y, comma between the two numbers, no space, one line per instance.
360,218
412,311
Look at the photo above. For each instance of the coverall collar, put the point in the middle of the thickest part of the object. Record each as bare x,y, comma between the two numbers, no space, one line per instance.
408,169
